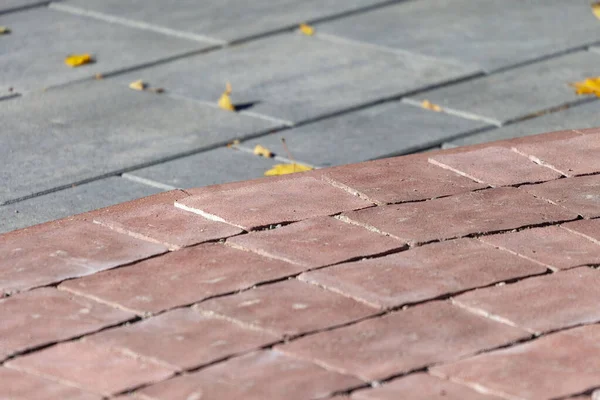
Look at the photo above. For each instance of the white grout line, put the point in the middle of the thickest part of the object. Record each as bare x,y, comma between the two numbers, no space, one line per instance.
148,182
463,114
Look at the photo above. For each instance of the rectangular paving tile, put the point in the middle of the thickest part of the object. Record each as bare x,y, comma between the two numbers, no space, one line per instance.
460,215
181,277
553,366
261,375
587,228
288,308
526,304
382,130
553,246
492,34
423,273
183,338
46,315
95,368
256,204
105,128
519,92
580,195
22,386
403,341
41,38
399,179
56,251
277,77
317,242
75,200
227,20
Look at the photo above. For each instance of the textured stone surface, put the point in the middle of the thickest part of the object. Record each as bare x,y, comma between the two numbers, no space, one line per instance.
527,304
41,38
262,375
10,5
276,77
317,242
97,128
461,215
288,308
183,338
182,277
99,369
517,93
423,273
403,341
254,204
552,246
374,132
47,315
420,387
53,252
495,166
557,365
589,229
399,179
75,200
580,195
492,34
16,385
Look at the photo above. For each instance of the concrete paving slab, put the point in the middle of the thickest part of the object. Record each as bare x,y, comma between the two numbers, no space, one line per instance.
75,200
374,132
519,92
66,135
207,168
577,117
14,5
226,19
33,53
297,78
492,34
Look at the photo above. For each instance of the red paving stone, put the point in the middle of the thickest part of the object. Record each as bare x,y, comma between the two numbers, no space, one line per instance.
317,242
573,300
50,253
47,315
400,179
461,215
183,338
552,246
557,365
179,278
403,341
580,195
588,228
288,308
423,273
421,387
263,204
17,385
495,166
258,376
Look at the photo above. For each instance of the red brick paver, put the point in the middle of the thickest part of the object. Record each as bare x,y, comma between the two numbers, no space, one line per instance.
587,228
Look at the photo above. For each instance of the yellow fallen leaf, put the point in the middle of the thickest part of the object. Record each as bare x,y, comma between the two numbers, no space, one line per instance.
225,100
75,60
588,86
262,151
234,143
99,76
4,30
430,106
284,169
596,9
307,29
138,85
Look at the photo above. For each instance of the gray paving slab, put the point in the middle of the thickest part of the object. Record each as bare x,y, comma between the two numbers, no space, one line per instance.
577,117
384,130
228,20
517,93
73,133
296,77
13,5
490,33
71,201
32,55
208,168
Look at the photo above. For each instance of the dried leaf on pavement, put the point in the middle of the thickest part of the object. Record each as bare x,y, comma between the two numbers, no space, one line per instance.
76,60
284,169
307,29
262,151
225,100
138,85
588,86
430,106
596,9
4,30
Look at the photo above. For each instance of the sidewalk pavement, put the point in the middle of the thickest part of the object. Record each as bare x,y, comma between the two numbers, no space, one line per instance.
71,142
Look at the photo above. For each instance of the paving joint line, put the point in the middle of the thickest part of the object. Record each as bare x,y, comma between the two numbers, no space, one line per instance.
148,182
40,4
